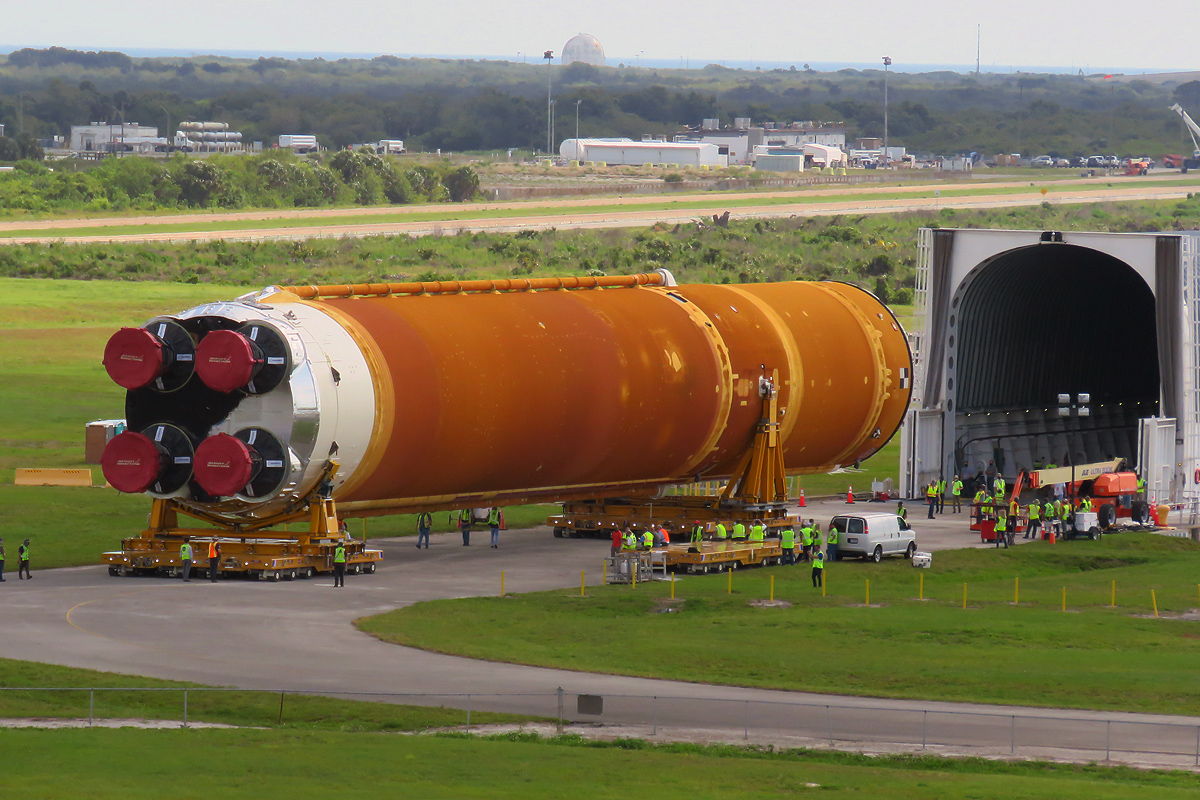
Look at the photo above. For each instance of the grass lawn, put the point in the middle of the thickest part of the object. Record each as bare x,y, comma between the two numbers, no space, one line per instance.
1092,656
260,709
130,764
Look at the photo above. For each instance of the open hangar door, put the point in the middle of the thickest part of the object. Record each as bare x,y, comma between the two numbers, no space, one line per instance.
1007,321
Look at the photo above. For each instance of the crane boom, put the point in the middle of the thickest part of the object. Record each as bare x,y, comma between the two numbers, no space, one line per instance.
1193,128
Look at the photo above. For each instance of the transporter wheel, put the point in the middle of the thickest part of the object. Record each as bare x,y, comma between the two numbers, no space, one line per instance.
877,555
292,574
912,548
558,533
1094,533
370,568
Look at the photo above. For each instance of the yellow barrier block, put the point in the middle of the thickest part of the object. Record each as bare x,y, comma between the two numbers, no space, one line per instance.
27,476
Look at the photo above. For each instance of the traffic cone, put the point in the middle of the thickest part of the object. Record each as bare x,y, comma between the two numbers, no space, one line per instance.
802,502
850,495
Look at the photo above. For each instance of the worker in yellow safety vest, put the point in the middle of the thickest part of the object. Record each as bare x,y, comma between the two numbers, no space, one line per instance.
1035,520
1049,516
697,532
816,534
494,526
721,533
185,555
831,548
339,564
1000,486
739,531
1002,530
629,540
758,531
941,496
806,541
931,497
647,540
956,489
787,541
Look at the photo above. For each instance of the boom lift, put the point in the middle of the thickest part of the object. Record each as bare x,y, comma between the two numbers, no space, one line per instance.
1193,131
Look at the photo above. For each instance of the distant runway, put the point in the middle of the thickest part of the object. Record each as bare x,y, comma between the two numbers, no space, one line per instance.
596,212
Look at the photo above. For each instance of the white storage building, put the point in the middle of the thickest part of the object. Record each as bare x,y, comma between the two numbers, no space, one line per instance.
627,152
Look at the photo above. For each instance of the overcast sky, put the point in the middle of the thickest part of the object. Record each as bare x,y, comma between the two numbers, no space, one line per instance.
1154,35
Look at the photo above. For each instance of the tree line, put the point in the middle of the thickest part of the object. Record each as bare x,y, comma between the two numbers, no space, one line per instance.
467,105
276,179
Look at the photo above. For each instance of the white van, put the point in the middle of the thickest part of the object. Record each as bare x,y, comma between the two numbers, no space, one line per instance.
873,535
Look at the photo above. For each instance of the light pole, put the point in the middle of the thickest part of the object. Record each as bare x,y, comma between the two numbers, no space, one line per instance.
887,62
553,103
549,56
577,102
1067,410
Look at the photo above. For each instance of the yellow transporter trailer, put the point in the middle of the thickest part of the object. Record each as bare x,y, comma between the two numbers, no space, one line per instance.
254,553
720,556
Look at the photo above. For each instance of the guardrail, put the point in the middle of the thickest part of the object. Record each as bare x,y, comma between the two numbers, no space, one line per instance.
868,725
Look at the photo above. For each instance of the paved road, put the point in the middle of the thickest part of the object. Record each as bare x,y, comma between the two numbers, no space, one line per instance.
576,213
299,636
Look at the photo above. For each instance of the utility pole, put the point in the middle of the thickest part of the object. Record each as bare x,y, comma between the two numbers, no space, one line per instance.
167,133
549,56
577,102
887,62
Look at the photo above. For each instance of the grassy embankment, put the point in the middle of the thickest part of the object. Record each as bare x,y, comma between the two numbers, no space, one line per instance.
132,764
1092,656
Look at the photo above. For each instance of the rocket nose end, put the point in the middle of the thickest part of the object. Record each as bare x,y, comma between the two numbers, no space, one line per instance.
133,358
131,462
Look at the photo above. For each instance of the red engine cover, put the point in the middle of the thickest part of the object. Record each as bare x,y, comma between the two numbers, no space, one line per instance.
223,465
131,462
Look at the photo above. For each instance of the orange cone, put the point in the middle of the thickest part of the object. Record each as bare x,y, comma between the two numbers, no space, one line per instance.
802,502
850,494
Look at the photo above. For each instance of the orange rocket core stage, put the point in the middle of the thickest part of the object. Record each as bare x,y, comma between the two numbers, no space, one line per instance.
568,388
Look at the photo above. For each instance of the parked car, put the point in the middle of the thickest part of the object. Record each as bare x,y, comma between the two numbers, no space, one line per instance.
1096,161
1042,161
1062,162
1078,161
874,535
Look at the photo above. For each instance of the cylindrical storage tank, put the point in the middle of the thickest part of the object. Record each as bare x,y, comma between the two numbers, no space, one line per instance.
487,393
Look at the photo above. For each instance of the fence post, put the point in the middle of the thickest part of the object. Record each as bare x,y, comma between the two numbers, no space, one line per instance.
829,725
91,706
655,703
1108,740
746,721
280,708
185,708
468,712
1012,735
560,710
1198,745
924,726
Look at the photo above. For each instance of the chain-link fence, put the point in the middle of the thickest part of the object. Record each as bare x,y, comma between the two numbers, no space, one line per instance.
863,725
